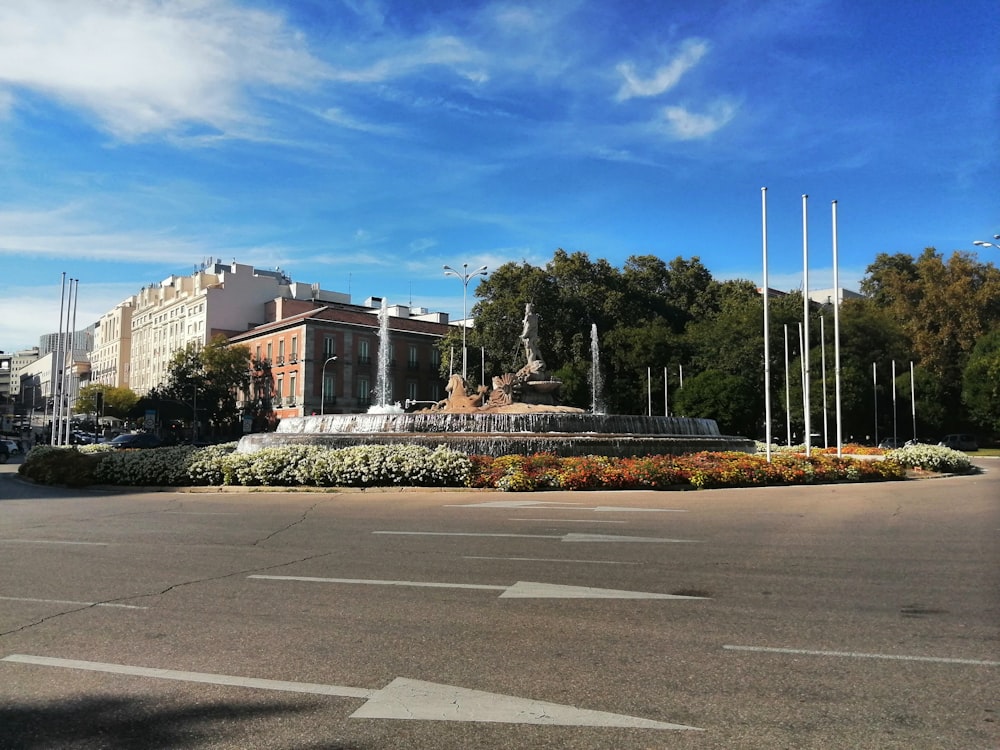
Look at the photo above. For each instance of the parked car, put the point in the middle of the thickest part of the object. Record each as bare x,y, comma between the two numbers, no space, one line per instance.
136,440
12,447
960,441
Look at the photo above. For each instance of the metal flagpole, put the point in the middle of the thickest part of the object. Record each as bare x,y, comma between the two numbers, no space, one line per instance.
57,371
913,401
767,329
666,395
895,436
649,391
805,323
822,338
74,291
836,332
788,398
875,393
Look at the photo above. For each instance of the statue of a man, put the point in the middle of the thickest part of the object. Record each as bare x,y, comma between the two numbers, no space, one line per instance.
529,336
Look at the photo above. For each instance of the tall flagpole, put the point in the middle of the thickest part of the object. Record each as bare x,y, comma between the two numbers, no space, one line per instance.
822,350
767,329
836,333
895,436
875,394
913,402
805,321
57,371
788,398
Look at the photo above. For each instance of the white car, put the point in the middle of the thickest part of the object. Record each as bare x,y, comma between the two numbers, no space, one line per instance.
12,447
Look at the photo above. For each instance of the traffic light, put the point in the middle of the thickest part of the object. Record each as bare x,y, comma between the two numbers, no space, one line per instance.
99,402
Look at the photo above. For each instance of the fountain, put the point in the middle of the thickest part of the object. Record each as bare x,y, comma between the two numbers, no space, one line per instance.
383,381
596,379
521,414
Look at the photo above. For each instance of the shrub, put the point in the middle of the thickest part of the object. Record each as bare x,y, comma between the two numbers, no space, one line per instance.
48,464
931,458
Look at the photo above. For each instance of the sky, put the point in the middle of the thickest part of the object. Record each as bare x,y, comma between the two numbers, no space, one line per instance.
365,144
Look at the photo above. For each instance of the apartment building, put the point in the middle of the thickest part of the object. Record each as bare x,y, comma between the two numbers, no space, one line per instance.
323,356
219,298
109,361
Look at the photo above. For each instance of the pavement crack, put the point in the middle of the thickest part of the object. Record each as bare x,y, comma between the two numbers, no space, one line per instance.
302,518
161,592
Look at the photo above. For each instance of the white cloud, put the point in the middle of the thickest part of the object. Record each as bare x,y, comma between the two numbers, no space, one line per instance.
664,78
685,125
145,66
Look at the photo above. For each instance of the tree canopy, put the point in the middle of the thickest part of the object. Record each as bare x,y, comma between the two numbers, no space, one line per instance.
657,319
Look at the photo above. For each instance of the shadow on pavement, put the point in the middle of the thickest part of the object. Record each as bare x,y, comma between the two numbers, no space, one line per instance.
106,722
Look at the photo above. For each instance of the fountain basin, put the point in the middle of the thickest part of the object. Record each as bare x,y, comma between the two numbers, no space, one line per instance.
496,434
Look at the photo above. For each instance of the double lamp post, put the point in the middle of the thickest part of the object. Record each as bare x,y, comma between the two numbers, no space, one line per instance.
465,276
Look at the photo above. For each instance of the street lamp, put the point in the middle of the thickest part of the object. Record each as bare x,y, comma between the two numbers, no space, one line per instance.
322,388
465,277
983,243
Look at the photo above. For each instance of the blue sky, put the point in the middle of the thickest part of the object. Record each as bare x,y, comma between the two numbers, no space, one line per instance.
364,144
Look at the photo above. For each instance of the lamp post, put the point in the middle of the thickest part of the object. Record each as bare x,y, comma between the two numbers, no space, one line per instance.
983,243
322,388
464,277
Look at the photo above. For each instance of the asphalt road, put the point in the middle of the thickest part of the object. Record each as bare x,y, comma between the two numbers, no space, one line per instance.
850,616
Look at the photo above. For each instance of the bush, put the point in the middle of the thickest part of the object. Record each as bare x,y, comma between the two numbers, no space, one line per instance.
931,458
70,466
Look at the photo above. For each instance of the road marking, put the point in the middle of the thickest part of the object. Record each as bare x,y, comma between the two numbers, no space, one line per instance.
51,541
858,655
561,537
70,601
401,699
376,582
561,520
548,559
540,504
520,590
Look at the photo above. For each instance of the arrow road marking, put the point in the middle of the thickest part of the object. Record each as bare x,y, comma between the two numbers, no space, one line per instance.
520,590
560,537
400,699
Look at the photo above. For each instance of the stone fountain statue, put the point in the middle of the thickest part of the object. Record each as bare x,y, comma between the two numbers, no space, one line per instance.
530,389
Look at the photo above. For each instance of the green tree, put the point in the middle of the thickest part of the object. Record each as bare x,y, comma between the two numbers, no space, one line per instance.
981,382
731,400
208,380
118,402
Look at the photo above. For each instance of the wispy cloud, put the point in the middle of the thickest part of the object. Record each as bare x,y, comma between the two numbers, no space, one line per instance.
665,77
686,125
148,66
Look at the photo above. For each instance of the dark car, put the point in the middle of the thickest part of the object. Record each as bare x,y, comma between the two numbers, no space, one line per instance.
136,440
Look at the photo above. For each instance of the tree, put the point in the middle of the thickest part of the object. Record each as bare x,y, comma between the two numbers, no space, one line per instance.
731,400
118,402
981,382
208,380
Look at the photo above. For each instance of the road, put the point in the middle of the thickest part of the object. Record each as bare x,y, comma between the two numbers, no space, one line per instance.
844,616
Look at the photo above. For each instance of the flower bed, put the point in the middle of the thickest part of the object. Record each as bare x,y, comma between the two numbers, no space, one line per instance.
411,465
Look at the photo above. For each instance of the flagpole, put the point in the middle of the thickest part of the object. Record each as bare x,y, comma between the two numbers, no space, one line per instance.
767,328
805,323
836,332
788,398
57,370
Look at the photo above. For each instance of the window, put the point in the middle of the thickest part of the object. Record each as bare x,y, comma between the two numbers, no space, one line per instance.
364,358
411,390
329,347
411,358
294,356
292,391
329,394
364,391
280,390
270,351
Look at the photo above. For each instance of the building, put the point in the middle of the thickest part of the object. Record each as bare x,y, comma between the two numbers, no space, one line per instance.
323,356
219,298
826,296
113,346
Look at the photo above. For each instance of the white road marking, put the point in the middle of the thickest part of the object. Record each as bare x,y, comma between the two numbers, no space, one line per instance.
70,601
520,590
401,699
561,537
565,506
562,520
859,655
548,559
376,582
51,541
